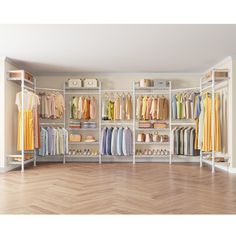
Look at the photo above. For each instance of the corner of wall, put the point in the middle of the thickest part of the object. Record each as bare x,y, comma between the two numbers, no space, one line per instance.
2,111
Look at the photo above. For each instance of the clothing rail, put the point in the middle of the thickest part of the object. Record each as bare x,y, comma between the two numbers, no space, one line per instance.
28,88
219,86
183,124
185,89
52,124
116,90
81,93
49,89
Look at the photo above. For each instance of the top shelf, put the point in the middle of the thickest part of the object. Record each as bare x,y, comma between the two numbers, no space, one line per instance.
19,81
152,88
82,88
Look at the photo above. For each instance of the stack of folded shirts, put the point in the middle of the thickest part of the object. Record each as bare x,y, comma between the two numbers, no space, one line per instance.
75,125
143,124
160,125
89,125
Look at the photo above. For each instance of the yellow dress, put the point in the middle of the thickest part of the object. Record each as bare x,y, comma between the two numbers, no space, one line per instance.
218,147
207,137
207,140
28,125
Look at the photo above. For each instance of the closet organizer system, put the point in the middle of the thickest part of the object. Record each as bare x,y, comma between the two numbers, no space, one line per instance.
143,124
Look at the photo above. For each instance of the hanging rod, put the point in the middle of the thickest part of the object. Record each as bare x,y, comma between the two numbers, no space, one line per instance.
51,123
116,90
27,87
81,93
50,89
183,89
221,85
183,124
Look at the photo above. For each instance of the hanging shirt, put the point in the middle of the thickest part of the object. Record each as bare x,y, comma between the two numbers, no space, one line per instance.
103,141
174,107
110,110
120,141
114,141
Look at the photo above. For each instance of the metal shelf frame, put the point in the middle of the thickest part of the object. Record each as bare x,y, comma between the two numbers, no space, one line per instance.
29,85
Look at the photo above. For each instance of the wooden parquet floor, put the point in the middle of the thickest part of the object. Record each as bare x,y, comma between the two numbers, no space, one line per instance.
87,188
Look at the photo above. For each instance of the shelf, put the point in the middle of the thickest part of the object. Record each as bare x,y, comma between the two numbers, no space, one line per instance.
152,88
117,123
19,162
152,156
183,124
82,156
152,143
19,81
219,165
152,129
82,88
83,143
82,129
160,121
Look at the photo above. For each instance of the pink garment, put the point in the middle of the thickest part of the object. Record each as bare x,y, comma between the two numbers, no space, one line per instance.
93,108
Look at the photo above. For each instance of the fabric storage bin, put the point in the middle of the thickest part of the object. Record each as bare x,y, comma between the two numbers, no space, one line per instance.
74,83
161,84
75,138
159,125
90,83
145,83
16,74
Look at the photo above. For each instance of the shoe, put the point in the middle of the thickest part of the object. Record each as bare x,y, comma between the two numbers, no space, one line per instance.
70,152
154,152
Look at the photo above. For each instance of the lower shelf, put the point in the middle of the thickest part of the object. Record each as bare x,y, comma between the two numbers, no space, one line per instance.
19,162
219,165
110,158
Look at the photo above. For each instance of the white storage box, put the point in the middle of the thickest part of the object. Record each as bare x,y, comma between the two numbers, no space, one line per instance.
74,83
161,84
144,83
90,83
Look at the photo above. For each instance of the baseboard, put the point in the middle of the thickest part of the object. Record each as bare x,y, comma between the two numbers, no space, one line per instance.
9,168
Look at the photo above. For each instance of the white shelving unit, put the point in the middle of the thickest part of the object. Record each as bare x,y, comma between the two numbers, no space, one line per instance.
29,85
137,91
82,91
183,122
51,122
213,85
115,123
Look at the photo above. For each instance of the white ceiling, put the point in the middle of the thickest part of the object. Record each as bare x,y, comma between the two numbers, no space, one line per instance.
59,49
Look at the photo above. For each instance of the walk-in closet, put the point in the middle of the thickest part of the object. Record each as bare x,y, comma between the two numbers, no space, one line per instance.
163,118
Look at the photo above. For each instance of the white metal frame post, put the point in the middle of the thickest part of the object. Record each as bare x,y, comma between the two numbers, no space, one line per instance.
99,121
22,123
64,94
134,120
213,121
170,124
201,101
38,121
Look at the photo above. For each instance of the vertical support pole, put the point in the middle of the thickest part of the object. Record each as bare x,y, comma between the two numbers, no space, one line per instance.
64,94
213,121
134,119
198,123
22,122
34,80
170,124
99,121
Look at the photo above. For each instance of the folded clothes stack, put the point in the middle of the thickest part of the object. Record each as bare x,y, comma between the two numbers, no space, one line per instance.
89,125
154,152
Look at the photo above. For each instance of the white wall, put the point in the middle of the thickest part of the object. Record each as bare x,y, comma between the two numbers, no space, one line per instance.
2,111
122,81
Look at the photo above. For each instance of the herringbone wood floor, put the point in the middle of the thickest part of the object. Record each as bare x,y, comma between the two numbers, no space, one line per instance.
152,188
